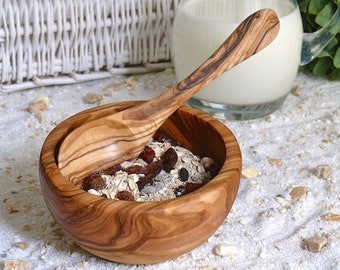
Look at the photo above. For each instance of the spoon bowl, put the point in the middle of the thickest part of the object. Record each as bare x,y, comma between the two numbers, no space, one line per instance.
124,134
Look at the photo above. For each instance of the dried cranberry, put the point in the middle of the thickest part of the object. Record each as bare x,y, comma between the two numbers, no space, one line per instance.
169,159
93,181
148,154
183,174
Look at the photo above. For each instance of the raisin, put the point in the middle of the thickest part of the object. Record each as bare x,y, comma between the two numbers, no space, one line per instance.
135,169
150,172
210,166
183,174
154,167
179,191
148,154
161,137
143,181
187,188
93,181
124,196
190,187
213,170
112,170
169,159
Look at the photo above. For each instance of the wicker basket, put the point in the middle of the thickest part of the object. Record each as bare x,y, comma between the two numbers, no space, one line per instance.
51,42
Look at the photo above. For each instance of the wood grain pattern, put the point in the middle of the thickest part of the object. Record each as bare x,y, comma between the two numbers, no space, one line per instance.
144,232
126,133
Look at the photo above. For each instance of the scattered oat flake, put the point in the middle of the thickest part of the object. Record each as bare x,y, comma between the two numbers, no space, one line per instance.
93,98
225,250
41,117
315,243
169,71
275,161
249,172
17,264
296,91
9,206
301,155
39,105
114,85
26,228
131,81
331,217
268,118
22,245
298,193
323,171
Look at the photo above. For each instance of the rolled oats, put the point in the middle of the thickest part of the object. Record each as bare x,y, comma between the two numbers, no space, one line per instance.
331,217
93,98
169,182
249,172
315,243
298,193
275,161
323,171
17,264
225,250
39,105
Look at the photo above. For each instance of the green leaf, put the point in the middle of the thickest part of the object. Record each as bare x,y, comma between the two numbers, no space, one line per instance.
336,59
335,74
316,5
325,14
303,5
322,66
332,43
324,53
314,14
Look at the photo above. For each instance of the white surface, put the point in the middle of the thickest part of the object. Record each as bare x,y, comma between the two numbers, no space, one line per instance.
264,234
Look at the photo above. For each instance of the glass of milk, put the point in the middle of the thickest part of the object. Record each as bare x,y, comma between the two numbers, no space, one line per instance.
254,88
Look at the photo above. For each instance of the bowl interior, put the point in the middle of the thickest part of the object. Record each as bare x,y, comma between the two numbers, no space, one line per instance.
191,130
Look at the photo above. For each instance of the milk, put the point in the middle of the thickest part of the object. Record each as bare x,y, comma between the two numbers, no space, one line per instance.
201,26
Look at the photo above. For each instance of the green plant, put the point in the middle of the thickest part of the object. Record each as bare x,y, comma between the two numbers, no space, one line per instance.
315,14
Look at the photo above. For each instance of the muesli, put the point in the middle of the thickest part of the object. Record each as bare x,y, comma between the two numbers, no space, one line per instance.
164,170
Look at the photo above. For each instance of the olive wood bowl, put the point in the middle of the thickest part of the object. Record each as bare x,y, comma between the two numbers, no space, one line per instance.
144,232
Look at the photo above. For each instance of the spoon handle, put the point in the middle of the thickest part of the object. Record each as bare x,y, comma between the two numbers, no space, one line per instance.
124,134
252,35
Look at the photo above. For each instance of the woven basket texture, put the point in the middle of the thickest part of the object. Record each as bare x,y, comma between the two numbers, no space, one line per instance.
50,42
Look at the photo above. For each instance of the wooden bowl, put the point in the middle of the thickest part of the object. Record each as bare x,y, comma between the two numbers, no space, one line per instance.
144,232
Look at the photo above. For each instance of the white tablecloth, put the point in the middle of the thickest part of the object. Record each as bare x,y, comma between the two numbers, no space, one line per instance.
265,227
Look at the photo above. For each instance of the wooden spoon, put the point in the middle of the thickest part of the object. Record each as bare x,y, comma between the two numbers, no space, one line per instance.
123,135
